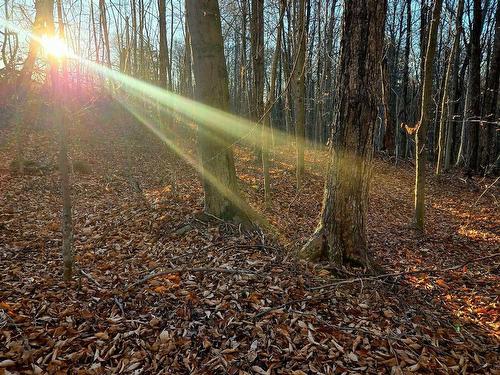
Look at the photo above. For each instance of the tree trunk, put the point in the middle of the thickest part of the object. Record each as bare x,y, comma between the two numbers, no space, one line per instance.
211,87
446,91
388,141
473,114
341,233
257,47
300,86
453,107
491,105
422,125
406,81
163,54
266,129
59,90
104,24
43,18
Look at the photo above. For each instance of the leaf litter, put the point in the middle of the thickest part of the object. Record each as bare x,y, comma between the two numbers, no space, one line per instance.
136,216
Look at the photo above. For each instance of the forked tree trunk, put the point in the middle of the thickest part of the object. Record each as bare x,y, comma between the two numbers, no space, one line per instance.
211,88
422,125
341,233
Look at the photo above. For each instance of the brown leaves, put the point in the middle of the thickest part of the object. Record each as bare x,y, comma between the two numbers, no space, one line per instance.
205,322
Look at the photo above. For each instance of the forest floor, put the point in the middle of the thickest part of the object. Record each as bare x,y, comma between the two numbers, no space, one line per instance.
135,213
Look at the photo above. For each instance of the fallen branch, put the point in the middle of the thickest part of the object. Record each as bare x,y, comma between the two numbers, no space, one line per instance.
326,293
85,274
183,270
487,188
318,297
404,273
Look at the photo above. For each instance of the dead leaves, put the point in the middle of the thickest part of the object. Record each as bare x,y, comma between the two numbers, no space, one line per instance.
209,322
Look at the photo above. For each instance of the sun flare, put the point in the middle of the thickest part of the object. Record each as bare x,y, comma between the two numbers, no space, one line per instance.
54,46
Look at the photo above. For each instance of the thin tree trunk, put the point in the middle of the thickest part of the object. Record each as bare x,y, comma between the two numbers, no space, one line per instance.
421,127
492,105
257,47
300,87
266,129
59,89
104,24
163,54
446,94
474,103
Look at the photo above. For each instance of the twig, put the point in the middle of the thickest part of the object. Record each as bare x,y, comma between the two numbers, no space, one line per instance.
424,270
326,293
183,270
82,272
292,302
485,190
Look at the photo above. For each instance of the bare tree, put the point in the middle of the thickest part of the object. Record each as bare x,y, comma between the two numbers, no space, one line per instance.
211,88
341,233
421,127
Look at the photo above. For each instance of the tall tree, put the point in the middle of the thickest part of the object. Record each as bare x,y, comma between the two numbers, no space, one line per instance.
271,98
341,233
473,111
105,32
44,17
421,127
300,40
491,96
257,47
211,88
163,53
59,89
441,159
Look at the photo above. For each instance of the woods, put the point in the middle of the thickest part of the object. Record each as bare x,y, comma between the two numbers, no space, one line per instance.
249,186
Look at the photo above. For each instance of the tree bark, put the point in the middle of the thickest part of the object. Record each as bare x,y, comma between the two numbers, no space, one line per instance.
422,125
59,90
266,129
300,86
443,132
211,88
341,233
492,106
473,114
163,54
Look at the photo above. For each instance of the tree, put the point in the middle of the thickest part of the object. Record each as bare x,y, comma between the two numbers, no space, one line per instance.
442,160
421,127
257,47
492,107
43,18
59,91
211,88
271,98
299,75
163,53
473,110
341,233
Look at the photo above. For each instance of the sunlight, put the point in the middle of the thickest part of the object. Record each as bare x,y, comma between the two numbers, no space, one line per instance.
54,46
